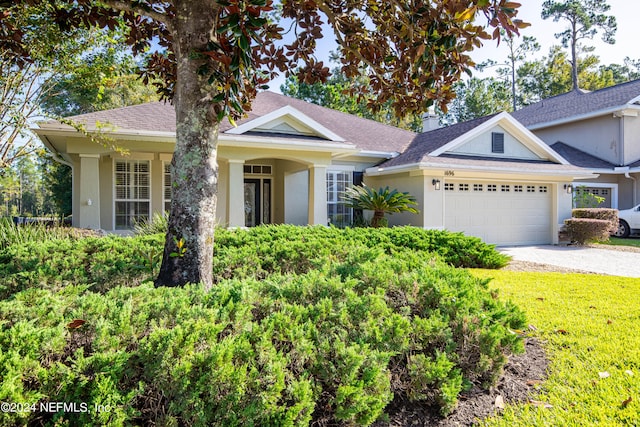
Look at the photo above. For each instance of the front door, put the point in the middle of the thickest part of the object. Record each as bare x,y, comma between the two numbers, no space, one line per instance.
257,201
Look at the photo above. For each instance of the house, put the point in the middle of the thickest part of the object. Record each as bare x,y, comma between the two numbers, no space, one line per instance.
598,131
289,160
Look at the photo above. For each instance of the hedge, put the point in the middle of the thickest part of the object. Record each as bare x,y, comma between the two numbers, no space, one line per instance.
306,325
606,214
585,230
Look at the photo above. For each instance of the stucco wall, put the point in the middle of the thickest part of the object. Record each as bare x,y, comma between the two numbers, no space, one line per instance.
414,185
631,139
481,146
599,137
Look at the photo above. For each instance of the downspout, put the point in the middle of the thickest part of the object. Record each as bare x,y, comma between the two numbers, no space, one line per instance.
621,139
635,187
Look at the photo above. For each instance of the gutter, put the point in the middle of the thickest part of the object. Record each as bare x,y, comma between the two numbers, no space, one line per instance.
635,187
54,153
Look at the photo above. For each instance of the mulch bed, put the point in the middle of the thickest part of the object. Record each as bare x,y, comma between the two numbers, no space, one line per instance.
521,375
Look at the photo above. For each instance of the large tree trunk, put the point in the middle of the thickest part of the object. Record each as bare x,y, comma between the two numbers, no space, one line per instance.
188,250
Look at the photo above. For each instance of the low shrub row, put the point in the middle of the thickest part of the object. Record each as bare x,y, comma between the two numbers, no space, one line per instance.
591,224
306,325
334,345
257,253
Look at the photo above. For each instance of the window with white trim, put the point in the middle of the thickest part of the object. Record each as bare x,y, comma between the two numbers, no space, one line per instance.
477,187
166,186
132,201
448,186
337,213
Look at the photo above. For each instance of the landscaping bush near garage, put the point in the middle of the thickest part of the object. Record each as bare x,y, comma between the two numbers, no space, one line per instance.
317,325
591,225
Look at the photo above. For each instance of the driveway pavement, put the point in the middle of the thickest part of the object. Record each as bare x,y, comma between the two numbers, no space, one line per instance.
604,261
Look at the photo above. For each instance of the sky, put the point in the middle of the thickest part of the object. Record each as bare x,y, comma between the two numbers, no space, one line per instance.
627,37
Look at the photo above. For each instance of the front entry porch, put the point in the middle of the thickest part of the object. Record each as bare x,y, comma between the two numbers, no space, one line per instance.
272,191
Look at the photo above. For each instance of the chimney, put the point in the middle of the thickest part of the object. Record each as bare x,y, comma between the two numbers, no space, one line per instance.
430,120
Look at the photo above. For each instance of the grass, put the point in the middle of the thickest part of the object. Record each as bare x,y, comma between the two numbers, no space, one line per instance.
589,327
617,241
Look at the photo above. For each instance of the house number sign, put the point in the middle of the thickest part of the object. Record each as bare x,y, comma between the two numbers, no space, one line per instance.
449,173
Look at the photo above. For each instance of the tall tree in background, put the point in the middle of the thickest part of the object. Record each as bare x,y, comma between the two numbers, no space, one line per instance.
476,98
585,18
33,51
336,93
103,79
221,52
551,75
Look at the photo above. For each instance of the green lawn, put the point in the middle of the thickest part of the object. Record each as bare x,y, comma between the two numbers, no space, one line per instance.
590,328
616,241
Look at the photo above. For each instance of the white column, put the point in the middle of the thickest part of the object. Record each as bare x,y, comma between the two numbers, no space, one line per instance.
236,193
318,195
89,192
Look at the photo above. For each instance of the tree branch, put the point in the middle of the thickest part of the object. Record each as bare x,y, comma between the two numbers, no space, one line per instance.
128,7
335,25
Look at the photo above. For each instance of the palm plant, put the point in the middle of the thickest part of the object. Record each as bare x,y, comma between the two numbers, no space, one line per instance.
379,201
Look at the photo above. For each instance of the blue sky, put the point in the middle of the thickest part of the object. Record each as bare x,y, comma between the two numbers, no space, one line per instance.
627,36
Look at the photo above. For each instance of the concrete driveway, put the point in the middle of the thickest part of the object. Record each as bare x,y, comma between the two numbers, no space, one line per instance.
604,261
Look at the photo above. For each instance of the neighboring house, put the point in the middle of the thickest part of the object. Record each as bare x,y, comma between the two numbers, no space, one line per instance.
289,160
599,131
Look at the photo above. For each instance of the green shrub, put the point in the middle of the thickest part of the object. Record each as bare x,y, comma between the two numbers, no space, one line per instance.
584,230
12,234
606,214
305,324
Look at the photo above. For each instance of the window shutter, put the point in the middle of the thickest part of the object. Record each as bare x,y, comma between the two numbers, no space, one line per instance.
497,142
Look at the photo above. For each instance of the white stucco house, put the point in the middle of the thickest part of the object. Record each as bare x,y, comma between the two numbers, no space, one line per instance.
288,161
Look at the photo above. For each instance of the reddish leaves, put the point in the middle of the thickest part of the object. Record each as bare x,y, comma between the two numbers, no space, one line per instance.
76,323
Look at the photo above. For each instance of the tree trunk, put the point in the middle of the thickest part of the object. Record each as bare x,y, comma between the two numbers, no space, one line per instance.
574,57
188,250
378,217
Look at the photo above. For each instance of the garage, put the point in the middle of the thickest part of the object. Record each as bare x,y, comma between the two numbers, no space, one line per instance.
502,213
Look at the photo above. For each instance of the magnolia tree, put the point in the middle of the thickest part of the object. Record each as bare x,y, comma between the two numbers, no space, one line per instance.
220,52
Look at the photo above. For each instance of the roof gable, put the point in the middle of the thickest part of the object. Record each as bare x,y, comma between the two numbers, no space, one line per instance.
462,139
288,121
521,144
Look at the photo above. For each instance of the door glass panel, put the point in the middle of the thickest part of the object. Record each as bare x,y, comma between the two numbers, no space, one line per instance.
250,205
266,201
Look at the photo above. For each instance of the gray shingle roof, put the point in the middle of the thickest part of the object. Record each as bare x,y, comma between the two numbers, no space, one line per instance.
577,103
580,158
363,133
427,142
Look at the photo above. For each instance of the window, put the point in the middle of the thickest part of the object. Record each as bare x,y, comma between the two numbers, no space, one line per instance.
337,213
531,188
477,187
505,188
463,187
605,192
497,142
448,186
517,188
492,187
543,189
257,169
132,193
166,185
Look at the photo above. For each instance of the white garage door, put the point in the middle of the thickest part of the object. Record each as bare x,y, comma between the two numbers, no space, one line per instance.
500,213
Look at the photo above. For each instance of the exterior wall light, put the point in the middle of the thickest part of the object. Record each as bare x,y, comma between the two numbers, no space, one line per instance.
568,188
436,183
